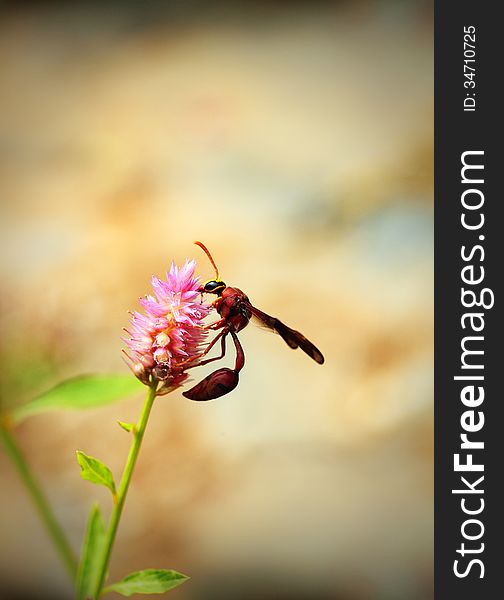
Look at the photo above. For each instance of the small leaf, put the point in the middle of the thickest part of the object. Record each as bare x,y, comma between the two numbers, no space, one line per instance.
149,581
95,471
126,426
85,391
92,552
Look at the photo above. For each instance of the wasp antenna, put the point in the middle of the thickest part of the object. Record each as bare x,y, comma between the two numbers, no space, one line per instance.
207,252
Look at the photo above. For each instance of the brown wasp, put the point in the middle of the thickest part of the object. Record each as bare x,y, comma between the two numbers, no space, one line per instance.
235,311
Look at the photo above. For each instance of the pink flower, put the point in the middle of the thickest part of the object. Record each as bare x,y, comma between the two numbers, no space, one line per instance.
168,338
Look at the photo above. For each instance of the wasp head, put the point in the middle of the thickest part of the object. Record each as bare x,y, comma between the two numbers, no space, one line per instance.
214,286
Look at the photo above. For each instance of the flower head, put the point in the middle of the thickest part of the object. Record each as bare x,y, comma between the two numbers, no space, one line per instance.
167,338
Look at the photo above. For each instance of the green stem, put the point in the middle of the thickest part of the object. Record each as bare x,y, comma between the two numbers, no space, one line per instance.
39,499
138,434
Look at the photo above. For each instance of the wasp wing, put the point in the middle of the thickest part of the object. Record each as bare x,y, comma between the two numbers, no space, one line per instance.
291,337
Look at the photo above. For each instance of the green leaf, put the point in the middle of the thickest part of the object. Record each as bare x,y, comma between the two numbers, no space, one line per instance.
92,553
126,426
149,581
95,471
85,391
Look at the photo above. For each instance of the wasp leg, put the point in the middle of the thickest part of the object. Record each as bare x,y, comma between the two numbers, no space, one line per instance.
216,324
222,336
205,351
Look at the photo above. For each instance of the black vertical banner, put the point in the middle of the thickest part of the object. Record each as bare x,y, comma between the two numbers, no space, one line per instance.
469,254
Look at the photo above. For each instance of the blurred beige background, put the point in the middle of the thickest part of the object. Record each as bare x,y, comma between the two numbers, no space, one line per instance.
295,140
